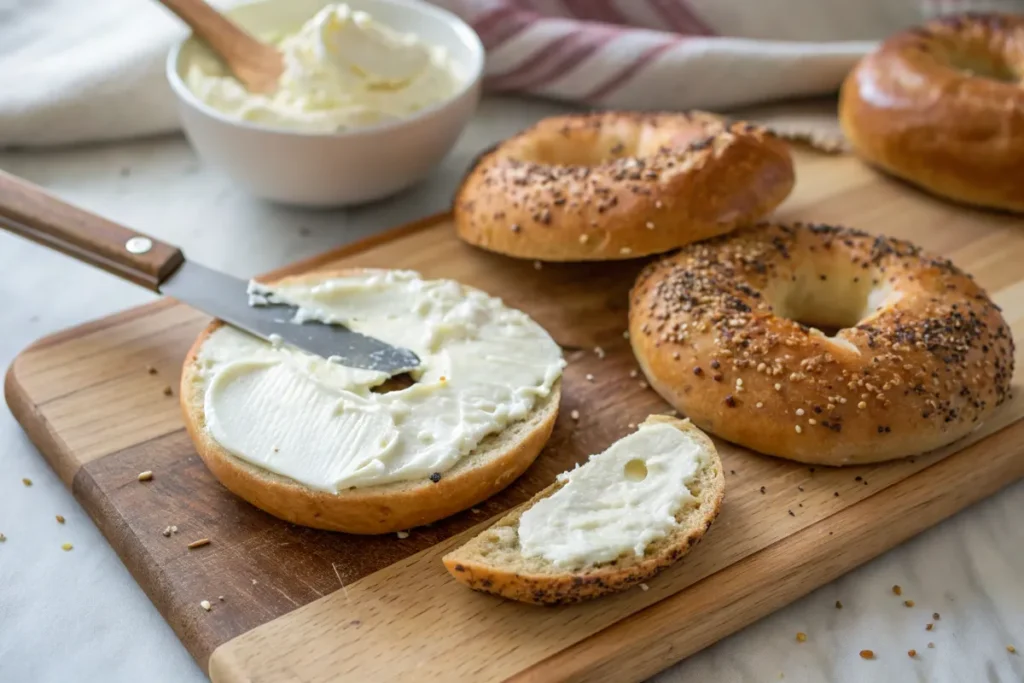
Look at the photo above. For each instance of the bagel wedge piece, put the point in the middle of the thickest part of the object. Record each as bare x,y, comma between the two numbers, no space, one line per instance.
494,561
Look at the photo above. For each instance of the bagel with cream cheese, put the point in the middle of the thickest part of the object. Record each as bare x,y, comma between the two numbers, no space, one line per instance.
942,106
325,446
729,332
609,524
620,185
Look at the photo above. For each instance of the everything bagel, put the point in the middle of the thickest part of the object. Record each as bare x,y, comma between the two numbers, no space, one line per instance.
729,332
620,185
942,106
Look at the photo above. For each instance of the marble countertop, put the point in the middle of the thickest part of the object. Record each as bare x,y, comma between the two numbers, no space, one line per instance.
79,616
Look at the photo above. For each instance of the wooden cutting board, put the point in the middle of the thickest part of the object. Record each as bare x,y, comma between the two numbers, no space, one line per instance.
305,605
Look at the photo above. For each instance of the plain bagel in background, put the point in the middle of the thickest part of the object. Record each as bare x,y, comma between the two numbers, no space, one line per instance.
942,106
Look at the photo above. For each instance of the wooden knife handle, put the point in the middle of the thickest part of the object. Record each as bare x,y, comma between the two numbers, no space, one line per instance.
31,212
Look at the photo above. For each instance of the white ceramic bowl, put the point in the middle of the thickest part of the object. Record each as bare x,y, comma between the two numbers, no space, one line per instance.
334,169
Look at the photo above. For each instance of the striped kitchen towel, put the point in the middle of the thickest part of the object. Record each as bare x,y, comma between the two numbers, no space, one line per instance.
75,71
679,54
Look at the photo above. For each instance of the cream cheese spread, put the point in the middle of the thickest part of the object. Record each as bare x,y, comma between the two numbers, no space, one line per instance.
483,367
342,70
620,501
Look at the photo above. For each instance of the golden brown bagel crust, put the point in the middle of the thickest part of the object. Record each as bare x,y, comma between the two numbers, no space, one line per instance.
917,109
923,357
620,185
493,465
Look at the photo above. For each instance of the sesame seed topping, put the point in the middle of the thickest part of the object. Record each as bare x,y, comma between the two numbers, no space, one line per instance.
800,412
798,428
649,225
575,414
205,604
589,377
625,251
402,535
537,265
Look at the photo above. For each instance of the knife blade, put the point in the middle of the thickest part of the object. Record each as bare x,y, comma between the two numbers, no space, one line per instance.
226,297
31,212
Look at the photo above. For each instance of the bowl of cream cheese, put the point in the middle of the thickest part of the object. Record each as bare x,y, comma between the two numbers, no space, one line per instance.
374,93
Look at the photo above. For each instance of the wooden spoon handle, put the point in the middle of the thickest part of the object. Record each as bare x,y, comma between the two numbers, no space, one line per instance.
31,212
255,64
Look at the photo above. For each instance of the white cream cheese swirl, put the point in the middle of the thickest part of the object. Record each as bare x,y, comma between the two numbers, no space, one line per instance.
342,69
618,502
483,367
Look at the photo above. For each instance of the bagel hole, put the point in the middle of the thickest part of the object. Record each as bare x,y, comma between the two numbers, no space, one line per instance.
610,143
828,302
993,67
635,470
397,383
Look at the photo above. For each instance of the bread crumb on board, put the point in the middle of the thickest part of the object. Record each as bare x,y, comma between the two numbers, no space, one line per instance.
644,587
205,604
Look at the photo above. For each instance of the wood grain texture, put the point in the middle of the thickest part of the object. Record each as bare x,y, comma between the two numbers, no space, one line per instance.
330,606
33,213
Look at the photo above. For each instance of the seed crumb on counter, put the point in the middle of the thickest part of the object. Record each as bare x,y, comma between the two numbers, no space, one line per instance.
205,604
929,627
2,538
150,369
908,603
575,414
166,532
839,605
931,645
911,653
631,425
633,374
1011,649
537,265
625,335
66,547
763,489
644,587
402,534
26,481
867,654
801,637
168,391
589,377
221,598
643,384
897,590
146,476
198,544
60,519
935,616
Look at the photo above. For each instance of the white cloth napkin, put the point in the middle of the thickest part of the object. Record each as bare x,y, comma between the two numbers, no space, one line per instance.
80,70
